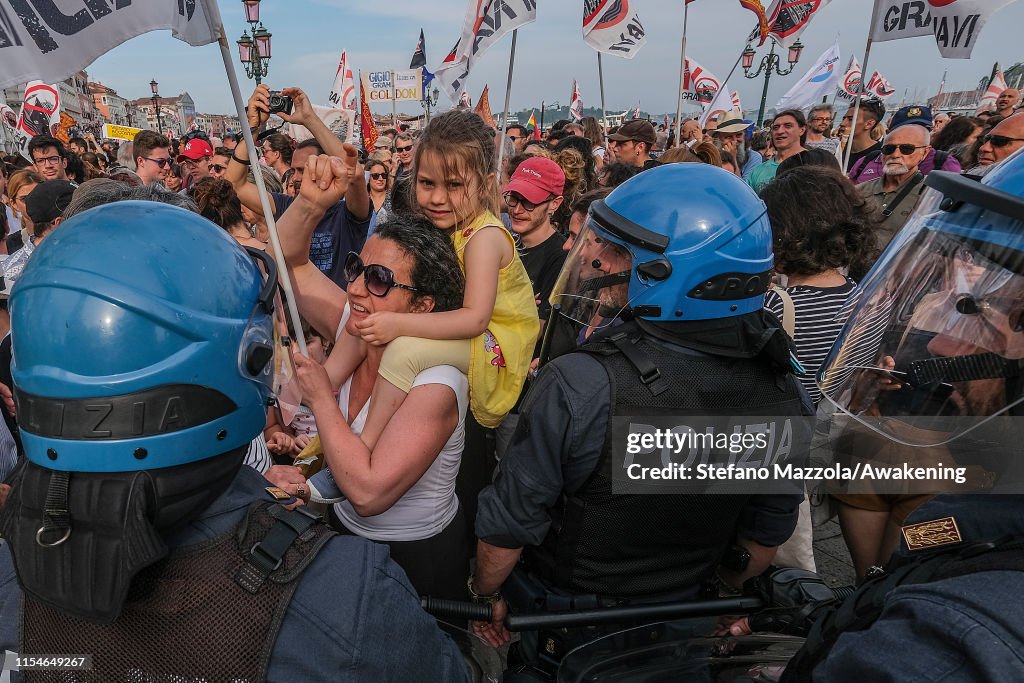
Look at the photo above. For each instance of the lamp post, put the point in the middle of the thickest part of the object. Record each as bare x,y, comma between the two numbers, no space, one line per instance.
154,87
769,63
430,100
554,105
254,51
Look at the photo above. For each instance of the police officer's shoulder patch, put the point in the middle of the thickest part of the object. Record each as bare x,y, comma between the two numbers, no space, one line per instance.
932,534
277,493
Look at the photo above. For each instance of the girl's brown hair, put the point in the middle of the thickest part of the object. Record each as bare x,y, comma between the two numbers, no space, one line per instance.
464,144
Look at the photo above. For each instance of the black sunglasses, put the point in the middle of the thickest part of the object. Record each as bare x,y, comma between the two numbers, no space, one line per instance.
999,140
904,149
217,168
378,176
378,279
402,150
512,200
159,162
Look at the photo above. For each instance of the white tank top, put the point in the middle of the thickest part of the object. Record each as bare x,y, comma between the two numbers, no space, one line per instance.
430,504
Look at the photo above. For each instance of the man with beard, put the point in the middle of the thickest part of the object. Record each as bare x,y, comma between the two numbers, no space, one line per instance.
730,136
897,191
819,123
49,157
789,129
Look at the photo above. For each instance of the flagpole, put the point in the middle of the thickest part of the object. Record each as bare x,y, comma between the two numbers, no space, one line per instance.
860,90
268,214
604,111
394,102
508,96
682,72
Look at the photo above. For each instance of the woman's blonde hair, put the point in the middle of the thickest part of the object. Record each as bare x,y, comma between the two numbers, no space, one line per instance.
464,144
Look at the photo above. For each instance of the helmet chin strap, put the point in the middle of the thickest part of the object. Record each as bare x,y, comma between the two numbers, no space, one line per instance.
114,528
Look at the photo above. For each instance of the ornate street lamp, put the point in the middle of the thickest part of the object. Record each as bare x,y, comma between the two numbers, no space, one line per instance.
770,63
155,87
254,51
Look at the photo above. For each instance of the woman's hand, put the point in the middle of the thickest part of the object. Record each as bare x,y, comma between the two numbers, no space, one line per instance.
326,179
313,379
380,328
289,479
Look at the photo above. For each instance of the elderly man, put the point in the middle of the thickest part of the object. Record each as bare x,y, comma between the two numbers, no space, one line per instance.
1002,141
896,193
870,167
730,136
939,122
1006,102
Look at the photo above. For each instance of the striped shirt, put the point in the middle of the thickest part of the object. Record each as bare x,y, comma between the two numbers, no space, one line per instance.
257,456
820,317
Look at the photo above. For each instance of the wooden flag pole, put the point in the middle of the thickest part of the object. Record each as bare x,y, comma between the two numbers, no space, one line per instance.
860,90
604,111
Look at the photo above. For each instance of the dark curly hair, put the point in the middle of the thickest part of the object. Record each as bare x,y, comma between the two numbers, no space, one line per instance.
956,132
435,269
820,221
615,174
217,202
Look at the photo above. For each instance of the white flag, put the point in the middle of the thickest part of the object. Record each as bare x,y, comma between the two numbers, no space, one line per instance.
40,114
723,102
699,84
486,22
820,81
955,24
611,26
39,41
343,92
996,86
850,85
576,104
880,87
788,19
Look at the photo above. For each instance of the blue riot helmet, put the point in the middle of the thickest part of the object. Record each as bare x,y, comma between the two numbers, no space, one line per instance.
932,354
142,340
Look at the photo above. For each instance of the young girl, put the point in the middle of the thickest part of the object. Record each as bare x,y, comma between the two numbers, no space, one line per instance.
492,336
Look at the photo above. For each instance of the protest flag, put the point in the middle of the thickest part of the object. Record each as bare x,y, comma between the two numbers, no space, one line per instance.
486,22
419,55
483,108
464,101
996,85
819,81
343,92
763,27
955,25
40,114
576,104
851,83
531,126
787,19
367,126
636,112
880,87
722,103
612,27
682,69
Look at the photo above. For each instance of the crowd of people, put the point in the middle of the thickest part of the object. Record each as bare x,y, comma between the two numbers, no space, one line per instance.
443,410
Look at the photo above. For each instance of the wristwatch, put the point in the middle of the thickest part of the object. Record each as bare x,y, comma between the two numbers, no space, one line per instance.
488,599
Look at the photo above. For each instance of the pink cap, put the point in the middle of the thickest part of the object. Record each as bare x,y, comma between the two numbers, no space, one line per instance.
537,179
195,149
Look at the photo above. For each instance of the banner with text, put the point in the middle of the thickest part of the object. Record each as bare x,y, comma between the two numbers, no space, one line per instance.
407,85
113,132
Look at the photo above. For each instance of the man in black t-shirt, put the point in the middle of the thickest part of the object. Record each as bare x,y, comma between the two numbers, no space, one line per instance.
533,195
869,115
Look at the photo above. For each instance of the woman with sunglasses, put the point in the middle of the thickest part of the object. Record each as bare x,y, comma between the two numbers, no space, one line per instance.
277,152
379,186
401,490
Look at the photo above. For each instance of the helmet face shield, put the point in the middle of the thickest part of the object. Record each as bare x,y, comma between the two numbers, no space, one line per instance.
934,345
590,294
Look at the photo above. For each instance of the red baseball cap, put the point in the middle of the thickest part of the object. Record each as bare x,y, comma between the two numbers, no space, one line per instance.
195,149
537,179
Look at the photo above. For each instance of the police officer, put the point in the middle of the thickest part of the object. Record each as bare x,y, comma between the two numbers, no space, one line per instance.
666,290
949,391
143,358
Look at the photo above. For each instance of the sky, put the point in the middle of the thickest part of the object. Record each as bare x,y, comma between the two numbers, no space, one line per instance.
309,35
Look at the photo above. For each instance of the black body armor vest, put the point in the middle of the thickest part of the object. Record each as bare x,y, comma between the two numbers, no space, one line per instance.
638,545
207,612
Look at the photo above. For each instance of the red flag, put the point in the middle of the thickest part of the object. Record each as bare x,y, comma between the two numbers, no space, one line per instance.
369,130
483,108
531,126
757,8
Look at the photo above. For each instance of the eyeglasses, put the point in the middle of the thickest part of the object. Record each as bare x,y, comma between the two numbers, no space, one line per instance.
378,279
999,140
378,176
512,200
48,161
217,168
904,149
821,119
513,138
403,150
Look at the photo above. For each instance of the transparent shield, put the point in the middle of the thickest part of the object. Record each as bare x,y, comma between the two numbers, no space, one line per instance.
933,349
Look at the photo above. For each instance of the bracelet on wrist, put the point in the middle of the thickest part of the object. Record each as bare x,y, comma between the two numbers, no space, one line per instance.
486,599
